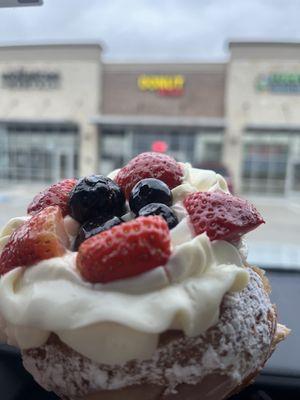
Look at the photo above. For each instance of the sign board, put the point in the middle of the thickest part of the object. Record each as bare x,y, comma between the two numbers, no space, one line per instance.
23,79
278,83
163,85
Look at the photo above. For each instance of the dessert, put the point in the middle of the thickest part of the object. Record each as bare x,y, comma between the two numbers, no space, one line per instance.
137,285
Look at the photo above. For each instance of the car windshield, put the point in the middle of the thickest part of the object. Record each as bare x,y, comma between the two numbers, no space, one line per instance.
85,86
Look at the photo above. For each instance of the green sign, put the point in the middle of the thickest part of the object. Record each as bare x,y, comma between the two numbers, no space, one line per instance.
278,83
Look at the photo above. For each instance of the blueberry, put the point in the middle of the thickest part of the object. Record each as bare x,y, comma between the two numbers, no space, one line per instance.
96,196
160,209
148,191
93,227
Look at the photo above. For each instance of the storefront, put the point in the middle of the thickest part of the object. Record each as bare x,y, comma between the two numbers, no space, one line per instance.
162,107
47,97
194,139
38,151
262,145
65,113
271,162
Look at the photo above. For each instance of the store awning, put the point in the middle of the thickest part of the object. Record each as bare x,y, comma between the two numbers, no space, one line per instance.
37,122
275,128
156,121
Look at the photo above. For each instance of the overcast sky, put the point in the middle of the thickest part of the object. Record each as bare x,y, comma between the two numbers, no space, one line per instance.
154,29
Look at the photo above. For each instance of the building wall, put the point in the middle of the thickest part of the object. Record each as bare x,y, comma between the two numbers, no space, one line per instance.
246,105
203,93
76,98
211,93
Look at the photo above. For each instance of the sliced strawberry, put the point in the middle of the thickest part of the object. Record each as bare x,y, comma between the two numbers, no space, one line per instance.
221,215
55,195
149,165
43,236
125,250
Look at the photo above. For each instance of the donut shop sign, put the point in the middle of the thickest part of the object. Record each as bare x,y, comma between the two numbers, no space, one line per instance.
163,85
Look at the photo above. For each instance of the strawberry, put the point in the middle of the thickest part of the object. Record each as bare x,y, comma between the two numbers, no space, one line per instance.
125,250
55,195
221,215
149,165
43,236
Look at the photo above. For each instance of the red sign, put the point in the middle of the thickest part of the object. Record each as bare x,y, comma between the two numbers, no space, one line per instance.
159,146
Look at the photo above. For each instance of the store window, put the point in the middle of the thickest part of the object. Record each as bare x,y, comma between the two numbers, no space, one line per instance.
208,147
265,167
112,150
296,177
180,144
38,152
118,146
212,152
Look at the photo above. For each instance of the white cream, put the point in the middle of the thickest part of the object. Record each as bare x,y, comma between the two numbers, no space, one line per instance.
185,294
122,320
71,226
203,180
198,180
9,228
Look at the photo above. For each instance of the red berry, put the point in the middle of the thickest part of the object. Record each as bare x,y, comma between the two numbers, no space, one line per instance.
221,215
55,195
43,236
149,165
125,250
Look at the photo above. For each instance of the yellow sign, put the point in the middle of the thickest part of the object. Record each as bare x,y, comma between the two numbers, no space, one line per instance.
164,84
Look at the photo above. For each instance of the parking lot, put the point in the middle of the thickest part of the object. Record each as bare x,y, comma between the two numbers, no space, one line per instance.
275,244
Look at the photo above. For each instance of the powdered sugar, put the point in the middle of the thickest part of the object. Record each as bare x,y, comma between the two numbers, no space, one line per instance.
237,346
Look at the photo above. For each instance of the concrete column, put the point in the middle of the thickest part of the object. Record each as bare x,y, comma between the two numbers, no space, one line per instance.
233,154
236,114
88,152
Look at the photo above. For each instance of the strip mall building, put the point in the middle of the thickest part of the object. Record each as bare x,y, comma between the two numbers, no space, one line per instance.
63,112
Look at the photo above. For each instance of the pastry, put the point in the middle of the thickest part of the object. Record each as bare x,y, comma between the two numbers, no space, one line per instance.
137,285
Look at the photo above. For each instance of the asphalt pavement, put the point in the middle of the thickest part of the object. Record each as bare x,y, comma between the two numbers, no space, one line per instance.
277,242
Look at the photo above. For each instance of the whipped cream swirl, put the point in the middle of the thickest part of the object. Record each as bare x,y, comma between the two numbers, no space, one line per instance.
122,320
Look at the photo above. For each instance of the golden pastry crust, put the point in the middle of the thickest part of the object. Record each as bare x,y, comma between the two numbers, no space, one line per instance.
216,364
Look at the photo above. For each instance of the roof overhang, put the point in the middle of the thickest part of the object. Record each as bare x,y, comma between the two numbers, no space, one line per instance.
275,128
262,43
35,122
46,43
158,121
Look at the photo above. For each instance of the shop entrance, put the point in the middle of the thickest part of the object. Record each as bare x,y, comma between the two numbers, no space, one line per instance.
119,144
38,153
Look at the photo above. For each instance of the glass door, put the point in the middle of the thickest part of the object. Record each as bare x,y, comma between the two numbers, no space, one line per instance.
265,168
38,153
